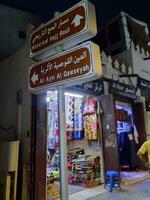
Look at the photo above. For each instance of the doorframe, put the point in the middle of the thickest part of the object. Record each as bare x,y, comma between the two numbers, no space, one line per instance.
38,141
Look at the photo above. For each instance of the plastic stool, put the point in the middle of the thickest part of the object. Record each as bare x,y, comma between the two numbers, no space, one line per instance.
114,180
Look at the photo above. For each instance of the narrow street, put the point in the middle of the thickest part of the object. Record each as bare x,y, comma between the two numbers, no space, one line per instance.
139,191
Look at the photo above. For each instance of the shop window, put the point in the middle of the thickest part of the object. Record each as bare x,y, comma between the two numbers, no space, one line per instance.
83,143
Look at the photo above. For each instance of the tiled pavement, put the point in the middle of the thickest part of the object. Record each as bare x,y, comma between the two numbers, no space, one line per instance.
139,191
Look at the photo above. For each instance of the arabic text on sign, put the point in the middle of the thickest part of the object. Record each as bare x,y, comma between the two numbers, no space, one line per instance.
68,61
67,25
67,66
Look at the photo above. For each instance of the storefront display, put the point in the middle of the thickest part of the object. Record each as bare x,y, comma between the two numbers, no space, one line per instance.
90,119
81,119
81,128
83,135
90,127
78,118
69,109
83,169
53,190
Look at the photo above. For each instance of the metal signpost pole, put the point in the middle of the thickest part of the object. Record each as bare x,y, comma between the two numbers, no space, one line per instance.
62,138
63,145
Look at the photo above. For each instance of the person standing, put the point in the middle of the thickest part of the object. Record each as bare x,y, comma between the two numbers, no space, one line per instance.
144,149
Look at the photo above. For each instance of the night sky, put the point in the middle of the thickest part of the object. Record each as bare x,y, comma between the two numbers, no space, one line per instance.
104,9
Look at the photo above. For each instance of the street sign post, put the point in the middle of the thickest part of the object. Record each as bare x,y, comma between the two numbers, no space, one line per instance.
69,68
75,25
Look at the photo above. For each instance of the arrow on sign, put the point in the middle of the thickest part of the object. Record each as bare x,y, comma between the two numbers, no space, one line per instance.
77,19
34,78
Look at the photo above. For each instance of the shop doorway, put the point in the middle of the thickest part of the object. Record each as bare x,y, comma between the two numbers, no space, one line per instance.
123,134
127,136
85,160
132,134
84,138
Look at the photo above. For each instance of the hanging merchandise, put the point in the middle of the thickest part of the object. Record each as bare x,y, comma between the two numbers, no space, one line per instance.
78,119
51,125
90,127
51,141
53,133
56,123
51,116
89,106
90,119
69,110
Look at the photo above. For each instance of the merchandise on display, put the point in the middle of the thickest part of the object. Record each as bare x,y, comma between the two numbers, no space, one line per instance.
78,118
81,119
81,128
83,169
90,119
53,190
69,110
90,127
89,106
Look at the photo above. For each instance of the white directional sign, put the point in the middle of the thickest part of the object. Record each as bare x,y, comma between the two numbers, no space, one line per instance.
75,66
34,78
67,29
77,20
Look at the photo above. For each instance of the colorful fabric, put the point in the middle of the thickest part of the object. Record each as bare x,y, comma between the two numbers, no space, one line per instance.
78,119
69,110
56,123
51,117
51,140
90,127
89,106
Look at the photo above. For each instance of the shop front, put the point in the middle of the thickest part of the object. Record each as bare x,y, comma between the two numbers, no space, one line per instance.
79,132
84,139
125,129
85,167
102,133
